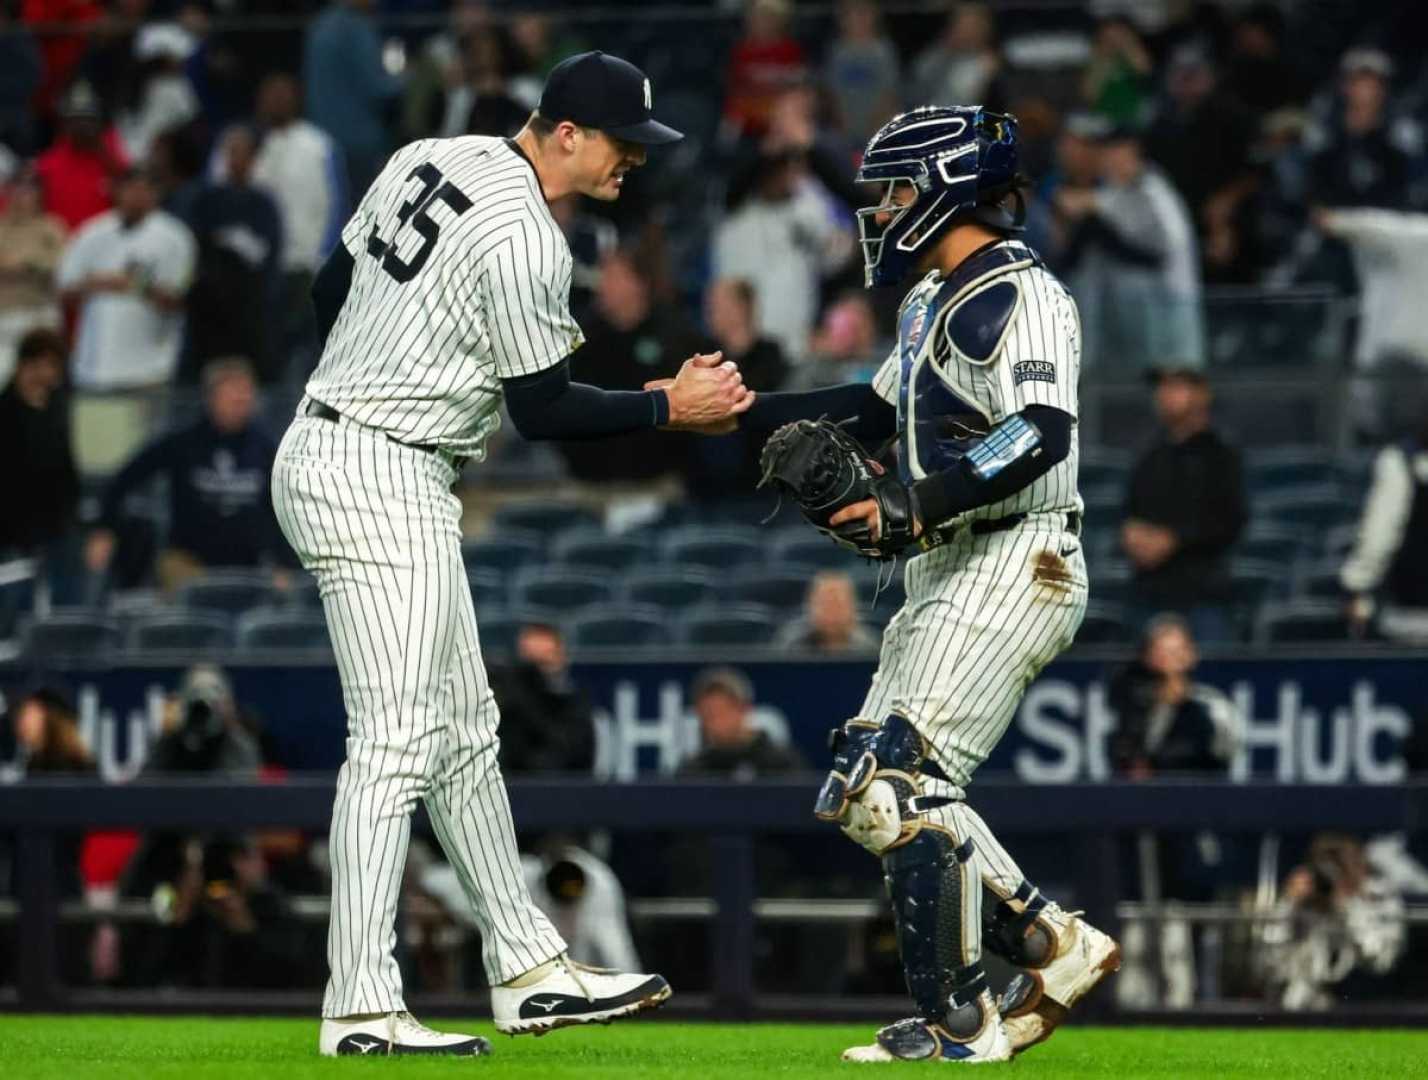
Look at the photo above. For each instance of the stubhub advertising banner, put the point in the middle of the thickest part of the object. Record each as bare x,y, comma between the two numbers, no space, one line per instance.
1339,720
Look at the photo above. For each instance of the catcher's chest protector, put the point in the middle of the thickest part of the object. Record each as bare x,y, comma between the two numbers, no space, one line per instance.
950,334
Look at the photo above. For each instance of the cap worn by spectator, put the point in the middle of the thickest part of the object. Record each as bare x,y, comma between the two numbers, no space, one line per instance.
596,90
725,680
1367,60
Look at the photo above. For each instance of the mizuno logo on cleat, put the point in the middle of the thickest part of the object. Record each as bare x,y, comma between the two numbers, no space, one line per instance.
546,1005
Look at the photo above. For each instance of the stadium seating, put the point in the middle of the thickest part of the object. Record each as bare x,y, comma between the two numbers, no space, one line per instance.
1280,467
713,549
1104,468
596,551
561,590
231,591
488,586
70,633
741,624
280,628
543,518
670,588
505,549
801,545
1254,580
1105,623
1319,578
179,629
1270,540
1306,620
621,627
1313,506
783,589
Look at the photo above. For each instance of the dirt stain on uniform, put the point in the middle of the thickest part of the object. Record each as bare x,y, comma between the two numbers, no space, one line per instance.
1049,570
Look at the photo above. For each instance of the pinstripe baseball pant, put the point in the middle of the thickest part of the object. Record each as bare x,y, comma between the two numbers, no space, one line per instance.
377,524
984,614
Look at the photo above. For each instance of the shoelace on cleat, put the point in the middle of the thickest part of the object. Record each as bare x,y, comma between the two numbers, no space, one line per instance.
410,1024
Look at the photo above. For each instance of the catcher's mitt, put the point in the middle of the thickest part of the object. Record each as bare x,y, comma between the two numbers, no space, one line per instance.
823,469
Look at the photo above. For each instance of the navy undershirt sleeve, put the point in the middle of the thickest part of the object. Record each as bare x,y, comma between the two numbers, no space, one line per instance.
329,289
956,490
547,405
856,406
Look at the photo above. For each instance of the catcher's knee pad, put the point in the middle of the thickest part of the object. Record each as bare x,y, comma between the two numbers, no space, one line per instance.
1014,929
875,789
935,892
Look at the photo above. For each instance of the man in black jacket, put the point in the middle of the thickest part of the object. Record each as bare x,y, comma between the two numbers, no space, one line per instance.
220,511
1185,510
547,723
39,484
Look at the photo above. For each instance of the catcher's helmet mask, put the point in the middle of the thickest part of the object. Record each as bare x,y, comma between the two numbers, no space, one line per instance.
961,162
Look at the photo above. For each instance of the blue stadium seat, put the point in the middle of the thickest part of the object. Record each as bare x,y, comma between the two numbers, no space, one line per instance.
1289,466
595,550
488,586
505,549
1112,581
741,624
1314,507
497,631
670,589
232,591
877,602
283,628
70,633
1271,540
1104,468
303,593
1255,580
561,590
180,630
783,589
1105,506
542,517
1318,578
803,546
1105,624
713,548
1304,620
17,592
1340,539
620,627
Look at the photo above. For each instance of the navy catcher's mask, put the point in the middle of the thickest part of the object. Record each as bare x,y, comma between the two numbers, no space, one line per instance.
961,161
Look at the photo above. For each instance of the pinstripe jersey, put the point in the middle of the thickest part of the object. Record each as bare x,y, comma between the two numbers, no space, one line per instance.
945,396
461,278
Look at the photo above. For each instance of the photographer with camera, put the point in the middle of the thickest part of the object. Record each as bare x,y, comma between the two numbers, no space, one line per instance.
192,880
1169,724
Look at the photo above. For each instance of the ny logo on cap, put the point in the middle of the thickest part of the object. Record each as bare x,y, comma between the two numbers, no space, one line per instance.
649,104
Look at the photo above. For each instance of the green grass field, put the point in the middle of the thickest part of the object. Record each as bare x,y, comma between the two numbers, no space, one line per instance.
197,1048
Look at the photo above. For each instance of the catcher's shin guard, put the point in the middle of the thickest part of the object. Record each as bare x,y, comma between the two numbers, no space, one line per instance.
1016,929
936,897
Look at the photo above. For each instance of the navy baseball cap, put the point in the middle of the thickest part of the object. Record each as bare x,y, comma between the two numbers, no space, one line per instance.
595,89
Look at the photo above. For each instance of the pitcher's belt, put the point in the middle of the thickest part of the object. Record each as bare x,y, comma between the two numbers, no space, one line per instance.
317,409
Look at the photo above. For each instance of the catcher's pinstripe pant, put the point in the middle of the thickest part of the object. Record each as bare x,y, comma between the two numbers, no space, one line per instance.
984,614
377,524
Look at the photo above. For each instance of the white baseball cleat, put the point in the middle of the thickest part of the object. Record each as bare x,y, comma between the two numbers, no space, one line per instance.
394,1033
917,1039
562,992
1036,1001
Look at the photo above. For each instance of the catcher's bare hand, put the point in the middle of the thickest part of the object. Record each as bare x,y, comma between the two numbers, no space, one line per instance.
867,513
707,394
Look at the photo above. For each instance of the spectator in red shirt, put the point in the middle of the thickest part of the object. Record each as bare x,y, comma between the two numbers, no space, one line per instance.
765,62
61,52
77,172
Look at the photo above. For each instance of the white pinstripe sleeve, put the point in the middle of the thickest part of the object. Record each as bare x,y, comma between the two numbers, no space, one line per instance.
1043,346
525,295
886,380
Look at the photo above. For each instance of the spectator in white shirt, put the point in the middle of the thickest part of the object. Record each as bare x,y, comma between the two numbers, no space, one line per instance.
783,240
1386,565
301,167
129,270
